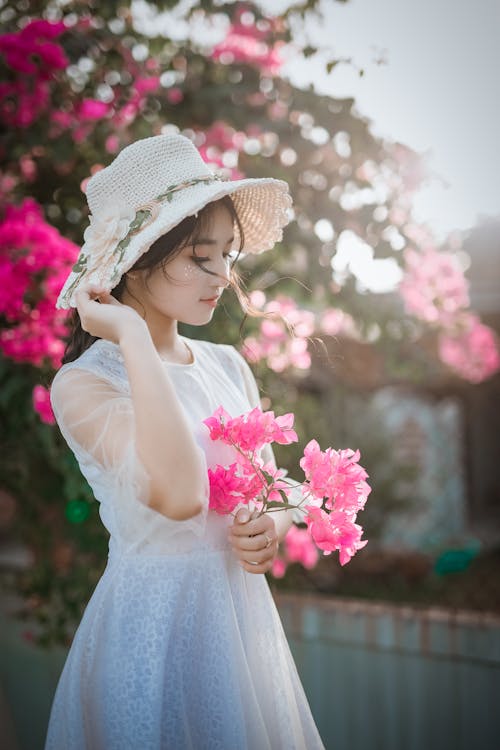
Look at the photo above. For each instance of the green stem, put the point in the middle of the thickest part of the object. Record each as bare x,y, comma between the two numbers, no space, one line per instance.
269,488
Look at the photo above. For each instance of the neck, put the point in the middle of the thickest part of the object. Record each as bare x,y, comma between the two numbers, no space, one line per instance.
163,330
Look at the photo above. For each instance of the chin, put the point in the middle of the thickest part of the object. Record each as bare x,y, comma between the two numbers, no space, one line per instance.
198,320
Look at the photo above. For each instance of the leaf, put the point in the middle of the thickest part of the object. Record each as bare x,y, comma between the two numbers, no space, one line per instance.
268,476
80,264
283,495
309,51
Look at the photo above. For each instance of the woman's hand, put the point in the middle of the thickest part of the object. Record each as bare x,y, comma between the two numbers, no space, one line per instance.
106,318
249,536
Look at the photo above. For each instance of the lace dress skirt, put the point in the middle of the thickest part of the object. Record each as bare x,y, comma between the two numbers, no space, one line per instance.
181,652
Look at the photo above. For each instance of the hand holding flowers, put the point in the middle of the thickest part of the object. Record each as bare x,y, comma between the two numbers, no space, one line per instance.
332,494
254,540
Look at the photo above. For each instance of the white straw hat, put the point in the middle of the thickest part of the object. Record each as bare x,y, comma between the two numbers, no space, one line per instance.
149,188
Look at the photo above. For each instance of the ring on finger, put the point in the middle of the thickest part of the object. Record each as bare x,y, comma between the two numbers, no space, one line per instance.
268,540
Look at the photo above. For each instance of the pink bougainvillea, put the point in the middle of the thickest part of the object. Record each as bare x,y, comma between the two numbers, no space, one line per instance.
34,262
228,488
253,430
34,60
245,479
471,350
435,290
91,109
299,547
279,567
147,84
220,145
42,405
433,287
335,322
334,531
29,51
246,43
336,476
274,342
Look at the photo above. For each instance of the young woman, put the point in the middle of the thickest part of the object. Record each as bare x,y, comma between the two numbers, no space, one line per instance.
180,646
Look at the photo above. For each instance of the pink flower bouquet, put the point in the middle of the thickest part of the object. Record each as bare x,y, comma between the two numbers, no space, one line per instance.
332,494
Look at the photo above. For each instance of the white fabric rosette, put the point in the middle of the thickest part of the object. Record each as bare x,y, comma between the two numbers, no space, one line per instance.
104,233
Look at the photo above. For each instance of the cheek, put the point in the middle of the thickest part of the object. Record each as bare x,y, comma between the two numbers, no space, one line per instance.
189,271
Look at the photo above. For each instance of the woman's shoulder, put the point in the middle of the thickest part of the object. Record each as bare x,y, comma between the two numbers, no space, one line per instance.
103,359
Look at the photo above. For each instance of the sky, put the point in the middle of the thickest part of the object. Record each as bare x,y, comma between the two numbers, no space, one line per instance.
437,90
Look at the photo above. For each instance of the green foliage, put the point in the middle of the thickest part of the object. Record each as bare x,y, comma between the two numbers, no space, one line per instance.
42,475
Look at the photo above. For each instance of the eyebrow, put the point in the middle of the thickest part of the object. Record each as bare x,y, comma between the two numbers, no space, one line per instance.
208,241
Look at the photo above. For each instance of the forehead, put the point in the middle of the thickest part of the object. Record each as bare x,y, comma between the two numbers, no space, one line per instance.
214,226
216,218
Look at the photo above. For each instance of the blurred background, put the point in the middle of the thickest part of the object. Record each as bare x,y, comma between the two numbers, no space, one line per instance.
383,118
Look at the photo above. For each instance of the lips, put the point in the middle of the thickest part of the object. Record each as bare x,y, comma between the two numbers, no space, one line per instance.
212,302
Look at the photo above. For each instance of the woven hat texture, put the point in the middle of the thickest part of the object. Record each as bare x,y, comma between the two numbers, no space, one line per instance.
149,188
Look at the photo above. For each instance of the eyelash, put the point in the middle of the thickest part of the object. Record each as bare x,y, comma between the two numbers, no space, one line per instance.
197,259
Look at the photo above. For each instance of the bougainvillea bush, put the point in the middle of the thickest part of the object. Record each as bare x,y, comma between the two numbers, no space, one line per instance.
78,83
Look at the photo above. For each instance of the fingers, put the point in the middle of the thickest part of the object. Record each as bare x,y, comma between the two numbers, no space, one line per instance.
258,525
263,568
250,542
243,515
255,556
90,293
87,298
255,562
254,542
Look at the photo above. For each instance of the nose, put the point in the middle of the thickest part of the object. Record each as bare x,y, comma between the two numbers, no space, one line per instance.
222,278
219,289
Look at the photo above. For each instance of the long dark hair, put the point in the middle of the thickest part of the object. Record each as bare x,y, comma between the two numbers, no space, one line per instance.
164,249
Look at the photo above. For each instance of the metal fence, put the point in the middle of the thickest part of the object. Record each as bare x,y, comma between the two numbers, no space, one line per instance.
387,677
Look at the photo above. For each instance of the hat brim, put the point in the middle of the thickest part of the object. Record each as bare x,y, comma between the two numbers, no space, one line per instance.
263,206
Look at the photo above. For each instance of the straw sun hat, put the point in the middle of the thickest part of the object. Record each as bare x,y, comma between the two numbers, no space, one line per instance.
149,188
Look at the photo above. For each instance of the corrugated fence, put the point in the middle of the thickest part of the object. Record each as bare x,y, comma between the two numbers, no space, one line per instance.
387,677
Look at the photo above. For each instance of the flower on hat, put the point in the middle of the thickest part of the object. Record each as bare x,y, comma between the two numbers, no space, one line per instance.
105,232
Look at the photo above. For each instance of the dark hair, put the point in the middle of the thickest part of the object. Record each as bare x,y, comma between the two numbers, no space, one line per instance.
164,249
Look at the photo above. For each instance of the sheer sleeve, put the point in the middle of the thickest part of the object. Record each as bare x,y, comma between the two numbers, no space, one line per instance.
253,396
97,421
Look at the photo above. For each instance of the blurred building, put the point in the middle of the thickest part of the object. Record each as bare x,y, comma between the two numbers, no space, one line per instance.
447,428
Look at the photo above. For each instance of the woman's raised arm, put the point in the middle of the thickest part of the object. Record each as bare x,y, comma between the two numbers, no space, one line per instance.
163,437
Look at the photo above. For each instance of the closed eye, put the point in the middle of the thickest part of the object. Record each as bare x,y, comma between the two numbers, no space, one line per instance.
199,259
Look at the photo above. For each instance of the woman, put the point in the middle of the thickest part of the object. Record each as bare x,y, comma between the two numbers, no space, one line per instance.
180,645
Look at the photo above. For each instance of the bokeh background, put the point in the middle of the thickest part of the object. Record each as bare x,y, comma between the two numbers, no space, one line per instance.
382,117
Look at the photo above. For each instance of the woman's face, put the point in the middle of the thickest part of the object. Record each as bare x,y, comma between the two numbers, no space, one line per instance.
183,294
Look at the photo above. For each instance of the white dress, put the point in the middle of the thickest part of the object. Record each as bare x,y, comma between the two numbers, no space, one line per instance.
179,648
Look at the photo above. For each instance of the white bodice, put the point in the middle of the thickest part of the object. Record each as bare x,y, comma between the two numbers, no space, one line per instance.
94,410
